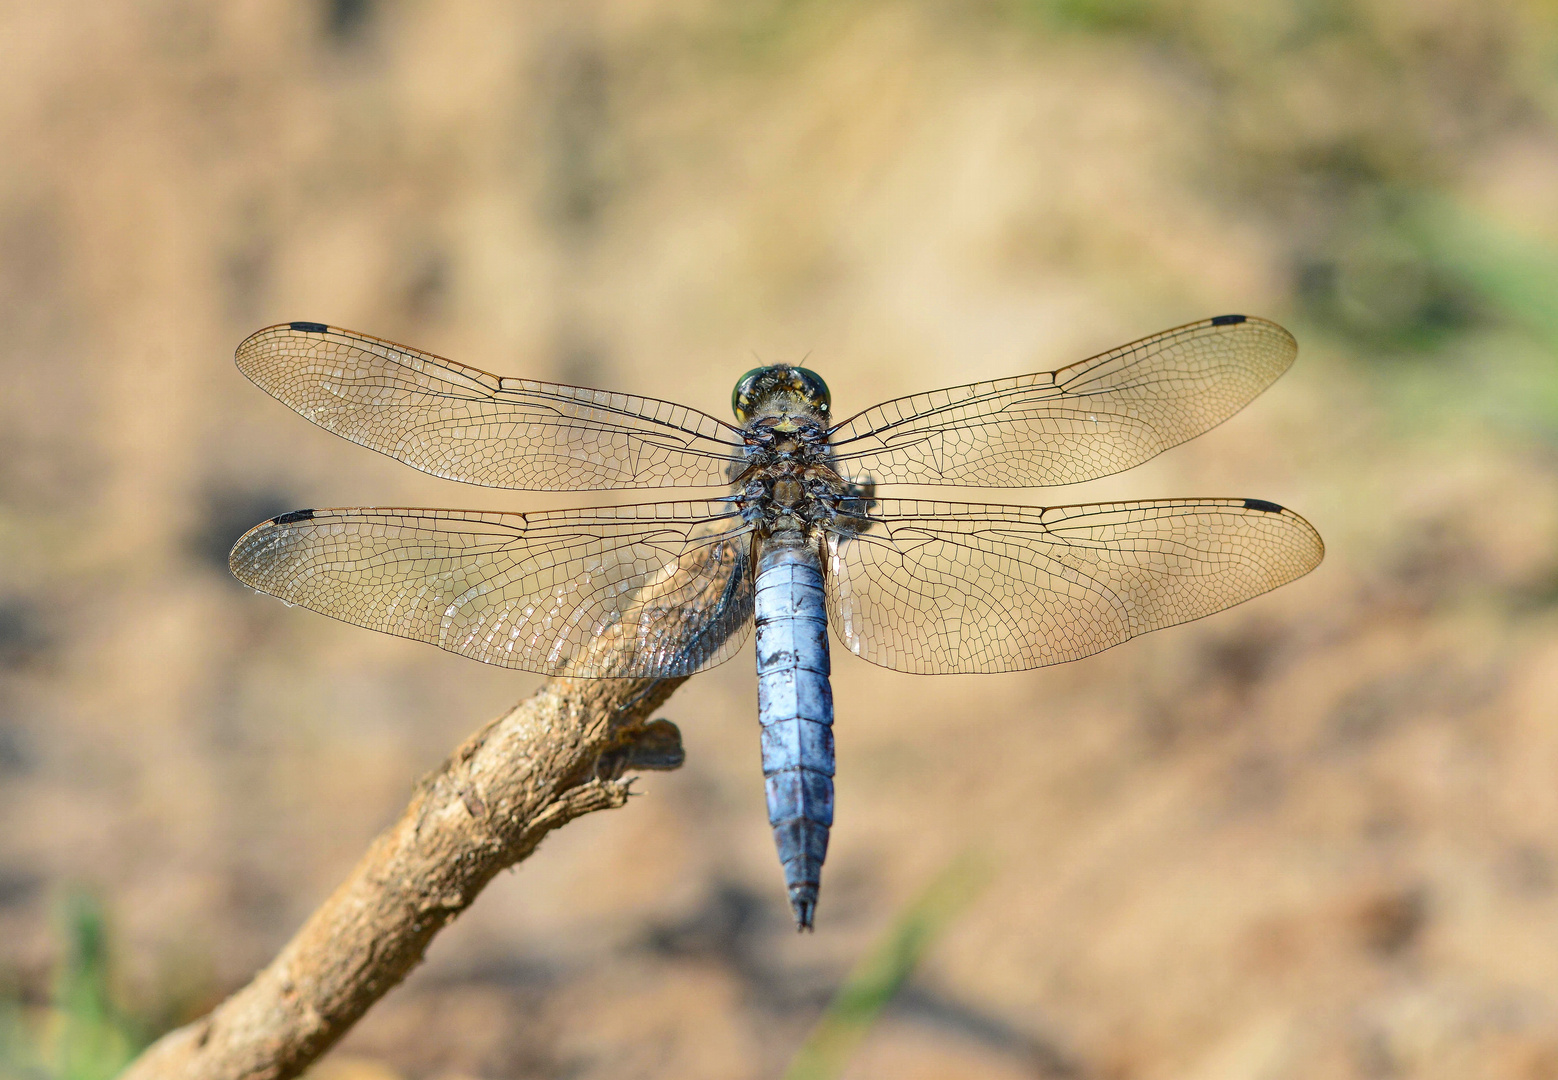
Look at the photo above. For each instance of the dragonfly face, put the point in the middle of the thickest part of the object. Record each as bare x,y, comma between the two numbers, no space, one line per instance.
780,390
799,542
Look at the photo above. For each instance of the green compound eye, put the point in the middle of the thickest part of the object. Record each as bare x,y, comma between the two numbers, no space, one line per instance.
741,396
815,389
759,384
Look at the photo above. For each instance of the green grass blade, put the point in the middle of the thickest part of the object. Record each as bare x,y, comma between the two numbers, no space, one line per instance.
831,1044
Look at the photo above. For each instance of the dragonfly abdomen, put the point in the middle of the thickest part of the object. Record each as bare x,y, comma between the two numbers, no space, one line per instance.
795,707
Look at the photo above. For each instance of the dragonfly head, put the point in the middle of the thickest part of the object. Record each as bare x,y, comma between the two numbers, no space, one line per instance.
780,389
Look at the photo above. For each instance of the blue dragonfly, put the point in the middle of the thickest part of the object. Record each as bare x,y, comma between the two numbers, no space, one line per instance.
799,542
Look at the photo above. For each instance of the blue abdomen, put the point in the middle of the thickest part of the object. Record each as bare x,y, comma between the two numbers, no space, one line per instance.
795,707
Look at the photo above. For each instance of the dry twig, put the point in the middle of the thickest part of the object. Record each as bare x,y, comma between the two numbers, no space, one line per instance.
545,762
542,764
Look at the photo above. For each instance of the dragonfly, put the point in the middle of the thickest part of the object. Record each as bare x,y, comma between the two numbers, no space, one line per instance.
799,540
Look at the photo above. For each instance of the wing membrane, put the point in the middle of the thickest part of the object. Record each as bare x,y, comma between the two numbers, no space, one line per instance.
940,588
464,424
1096,417
634,591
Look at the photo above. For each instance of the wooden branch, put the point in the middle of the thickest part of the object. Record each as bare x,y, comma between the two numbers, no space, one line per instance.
545,762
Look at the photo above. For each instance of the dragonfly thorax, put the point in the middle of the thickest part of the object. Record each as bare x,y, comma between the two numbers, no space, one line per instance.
790,483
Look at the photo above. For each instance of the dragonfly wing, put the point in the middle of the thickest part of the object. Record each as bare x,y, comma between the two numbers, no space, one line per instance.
940,588
1094,418
628,592
463,424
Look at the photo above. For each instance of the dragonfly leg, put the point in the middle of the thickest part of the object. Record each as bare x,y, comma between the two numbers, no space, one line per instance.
854,506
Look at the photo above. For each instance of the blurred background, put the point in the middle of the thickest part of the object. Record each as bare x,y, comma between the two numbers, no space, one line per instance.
1314,836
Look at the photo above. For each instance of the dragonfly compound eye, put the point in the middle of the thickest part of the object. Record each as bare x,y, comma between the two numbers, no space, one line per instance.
813,389
782,383
741,398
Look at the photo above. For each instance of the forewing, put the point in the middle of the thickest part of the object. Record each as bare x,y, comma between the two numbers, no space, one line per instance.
1096,417
630,592
463,424
940,588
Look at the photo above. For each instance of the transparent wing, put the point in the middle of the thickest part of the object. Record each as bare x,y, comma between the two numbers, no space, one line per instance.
1096,417
463,424
938,588
627,592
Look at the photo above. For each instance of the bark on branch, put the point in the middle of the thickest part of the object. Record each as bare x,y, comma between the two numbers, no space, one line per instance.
545,762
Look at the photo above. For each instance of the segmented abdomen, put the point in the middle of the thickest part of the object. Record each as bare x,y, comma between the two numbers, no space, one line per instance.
795,707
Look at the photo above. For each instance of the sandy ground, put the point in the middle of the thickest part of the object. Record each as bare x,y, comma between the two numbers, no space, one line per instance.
1315,836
